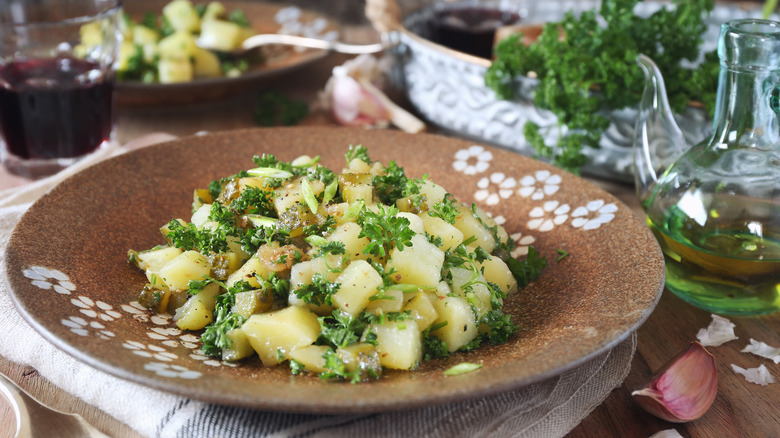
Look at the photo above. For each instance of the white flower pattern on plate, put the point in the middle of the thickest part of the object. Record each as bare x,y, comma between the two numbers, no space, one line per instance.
81,327
522,243
150,351
593,214
170,370
46,279
548,216
493,189
95,309
464,160
541,184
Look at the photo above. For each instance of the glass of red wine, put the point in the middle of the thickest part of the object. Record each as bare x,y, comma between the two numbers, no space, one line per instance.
470,26
56,82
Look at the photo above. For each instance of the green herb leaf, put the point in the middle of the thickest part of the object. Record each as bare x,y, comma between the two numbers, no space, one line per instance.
384,230
462,368
275,109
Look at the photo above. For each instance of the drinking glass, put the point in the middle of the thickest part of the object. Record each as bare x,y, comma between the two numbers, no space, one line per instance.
56,82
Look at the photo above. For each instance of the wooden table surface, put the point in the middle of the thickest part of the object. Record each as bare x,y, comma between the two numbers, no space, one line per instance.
741,409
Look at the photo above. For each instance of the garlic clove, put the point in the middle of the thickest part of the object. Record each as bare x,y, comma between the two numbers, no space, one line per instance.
354,96
684,389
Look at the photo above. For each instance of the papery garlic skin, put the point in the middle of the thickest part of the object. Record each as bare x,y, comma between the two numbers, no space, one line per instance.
759,376
720,331
763,350
684,389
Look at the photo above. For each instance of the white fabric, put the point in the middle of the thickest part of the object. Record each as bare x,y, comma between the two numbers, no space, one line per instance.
546,409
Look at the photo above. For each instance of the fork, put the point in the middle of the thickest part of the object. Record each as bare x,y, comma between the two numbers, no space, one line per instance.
298,41
34,419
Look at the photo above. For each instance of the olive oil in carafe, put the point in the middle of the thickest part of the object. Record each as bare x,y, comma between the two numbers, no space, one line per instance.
725,271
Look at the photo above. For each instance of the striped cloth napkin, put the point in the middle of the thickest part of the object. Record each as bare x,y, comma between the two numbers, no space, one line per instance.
546,409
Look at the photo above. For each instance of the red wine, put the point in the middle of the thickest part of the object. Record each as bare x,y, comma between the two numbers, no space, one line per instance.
54,108
469,29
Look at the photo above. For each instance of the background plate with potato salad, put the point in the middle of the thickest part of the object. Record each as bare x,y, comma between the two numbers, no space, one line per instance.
142,86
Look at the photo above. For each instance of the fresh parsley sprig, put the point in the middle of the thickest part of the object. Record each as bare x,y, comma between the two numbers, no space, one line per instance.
586,68
384,230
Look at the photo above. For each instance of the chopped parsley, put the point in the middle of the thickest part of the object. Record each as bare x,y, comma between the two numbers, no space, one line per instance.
384,230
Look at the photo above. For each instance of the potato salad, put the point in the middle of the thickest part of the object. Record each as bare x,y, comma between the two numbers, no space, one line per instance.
340,275
186,42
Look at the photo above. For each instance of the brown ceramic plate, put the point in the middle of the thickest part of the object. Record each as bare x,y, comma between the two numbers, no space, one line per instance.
263,18
69,275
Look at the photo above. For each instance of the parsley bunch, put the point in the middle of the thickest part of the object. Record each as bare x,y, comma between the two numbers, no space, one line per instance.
586,69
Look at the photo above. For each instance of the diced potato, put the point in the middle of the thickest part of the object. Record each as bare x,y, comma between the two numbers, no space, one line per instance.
301,274
201,197
251,181
415,222
91,34
392,301
478,294
418,264
155,258
206,64
471,226
311,357
208,295
450,236
291,194
182,16
496,271
189,265
337,211
353,245
253,301
234,246
362,356
178,46
198,311
357,166
170,71
461,325
240,347
359,282
213,10
357,192
377,168
431,192
399,344
201,216
247,272
126,26
142,35
356,186
274,335
196,317
127,51
422,309
220,35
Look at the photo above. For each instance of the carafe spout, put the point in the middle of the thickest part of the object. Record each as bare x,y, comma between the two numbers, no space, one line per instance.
658,141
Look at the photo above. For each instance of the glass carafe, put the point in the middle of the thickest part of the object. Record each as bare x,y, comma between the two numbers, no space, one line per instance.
715,207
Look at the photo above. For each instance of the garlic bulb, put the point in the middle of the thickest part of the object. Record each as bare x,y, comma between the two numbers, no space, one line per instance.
684,389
